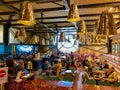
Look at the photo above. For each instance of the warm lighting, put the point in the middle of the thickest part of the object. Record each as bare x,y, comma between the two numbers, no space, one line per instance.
35,39
46,42
17,34
47,36
26,16
107,25
43,41
22,33
73,15
82,27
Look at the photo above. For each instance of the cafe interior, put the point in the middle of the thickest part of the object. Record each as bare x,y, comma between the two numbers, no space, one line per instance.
59,45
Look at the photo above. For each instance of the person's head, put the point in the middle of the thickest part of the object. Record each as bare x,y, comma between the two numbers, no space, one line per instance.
105,62
85,68
59,60
111,69
46,62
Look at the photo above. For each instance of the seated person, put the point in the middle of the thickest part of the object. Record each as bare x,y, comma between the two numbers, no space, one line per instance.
46,68
112,75
105,65
85,74
72,66
58,67
12,69
45,65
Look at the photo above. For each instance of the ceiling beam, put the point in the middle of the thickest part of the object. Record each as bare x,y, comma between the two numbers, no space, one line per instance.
38,1
9,6
59,17
105,4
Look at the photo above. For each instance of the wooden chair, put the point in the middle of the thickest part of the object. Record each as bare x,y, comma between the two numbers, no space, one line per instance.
90,81
117,84
104,83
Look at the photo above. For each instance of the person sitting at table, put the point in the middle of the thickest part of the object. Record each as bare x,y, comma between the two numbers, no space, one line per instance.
72,66
112,75
45,65
85,74
105,65
58,67
12,69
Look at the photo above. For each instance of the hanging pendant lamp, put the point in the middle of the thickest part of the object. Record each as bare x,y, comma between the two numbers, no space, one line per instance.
46,42
22,33
43,41
26,16
17,34
106,25
35,39
47,36
82,27
73,15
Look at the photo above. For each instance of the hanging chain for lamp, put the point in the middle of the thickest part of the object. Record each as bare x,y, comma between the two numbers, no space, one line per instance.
26,15
73,15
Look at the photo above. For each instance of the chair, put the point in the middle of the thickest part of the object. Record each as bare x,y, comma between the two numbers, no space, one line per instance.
117,84
44,77
90,81
67,78
54,78
104,83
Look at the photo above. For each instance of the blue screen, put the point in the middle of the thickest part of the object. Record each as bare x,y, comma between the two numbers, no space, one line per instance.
1,49
25,49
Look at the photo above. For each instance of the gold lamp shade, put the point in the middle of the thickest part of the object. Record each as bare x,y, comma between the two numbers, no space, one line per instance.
73,15
26,15
47,42
22,33
81,27
17,34
47,36
106,24
35,39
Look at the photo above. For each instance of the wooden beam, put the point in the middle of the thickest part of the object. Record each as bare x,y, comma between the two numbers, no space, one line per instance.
9,6
38,1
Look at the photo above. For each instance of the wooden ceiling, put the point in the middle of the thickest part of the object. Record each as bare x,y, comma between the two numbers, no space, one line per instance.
55,13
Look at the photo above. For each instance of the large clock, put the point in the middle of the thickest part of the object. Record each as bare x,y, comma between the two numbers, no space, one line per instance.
70,45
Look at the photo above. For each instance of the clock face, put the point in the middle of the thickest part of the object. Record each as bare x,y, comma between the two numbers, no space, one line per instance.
71,45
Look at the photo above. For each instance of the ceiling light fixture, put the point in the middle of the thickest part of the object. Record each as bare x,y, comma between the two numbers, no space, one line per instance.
73,15
26,16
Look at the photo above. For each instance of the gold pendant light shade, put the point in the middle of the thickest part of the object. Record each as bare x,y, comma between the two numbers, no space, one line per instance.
35,39
17,34
73,15
22,33
26,15
82,27
106,24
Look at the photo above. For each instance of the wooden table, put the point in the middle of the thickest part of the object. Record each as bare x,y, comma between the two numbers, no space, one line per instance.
94,87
